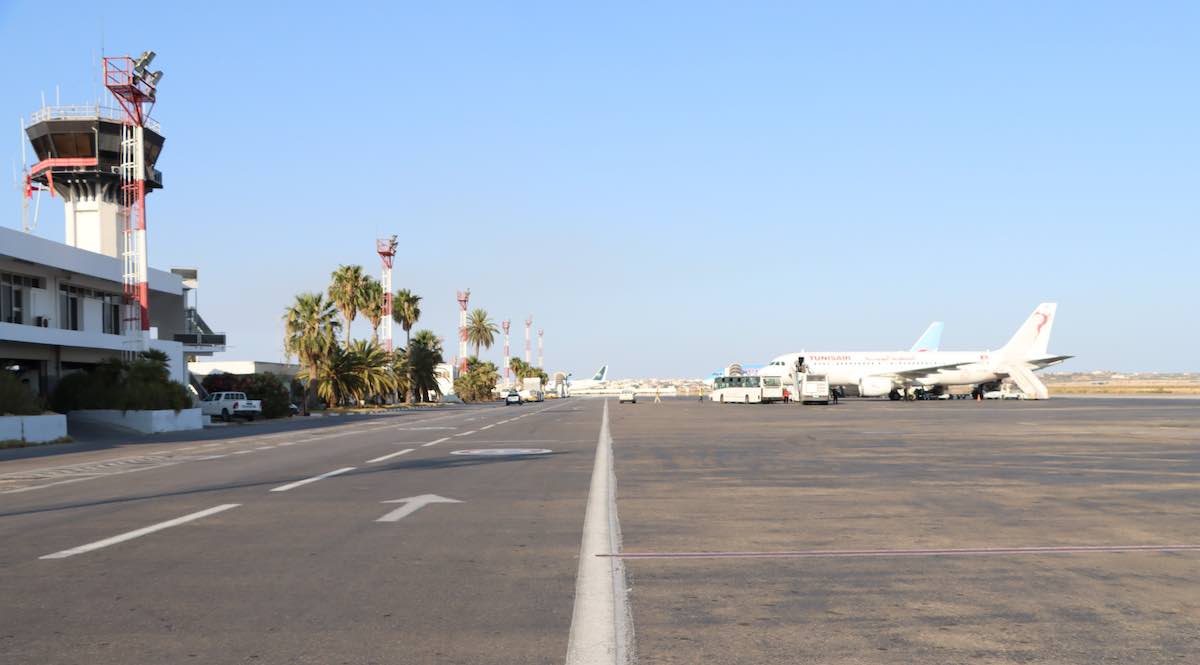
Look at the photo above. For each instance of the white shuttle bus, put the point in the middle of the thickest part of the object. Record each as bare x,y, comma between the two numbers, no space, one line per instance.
738,390
772,387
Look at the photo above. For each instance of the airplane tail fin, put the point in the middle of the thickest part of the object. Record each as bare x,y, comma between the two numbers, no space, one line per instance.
1033,337
601,374
931,339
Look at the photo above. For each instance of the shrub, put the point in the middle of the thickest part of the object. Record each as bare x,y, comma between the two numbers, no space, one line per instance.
477,384
144,384
276,401
15,398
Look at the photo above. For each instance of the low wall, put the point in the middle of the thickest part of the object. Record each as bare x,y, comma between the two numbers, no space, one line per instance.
145,422
10,428
33,429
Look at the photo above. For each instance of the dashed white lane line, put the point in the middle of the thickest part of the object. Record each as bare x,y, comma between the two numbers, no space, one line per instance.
465,433
434,443
206,458
390,455
486,427
323,476
242,452
138,533
264,447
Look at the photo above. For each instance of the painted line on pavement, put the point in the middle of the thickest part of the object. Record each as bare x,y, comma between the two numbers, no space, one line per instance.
958,551
138,533
434,443
242,452
465,433
323,476
390,455
264,447
204,459
486,427
601,624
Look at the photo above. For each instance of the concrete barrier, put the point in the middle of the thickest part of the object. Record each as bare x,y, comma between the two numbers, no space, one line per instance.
144,422
42,429
10,428
33,429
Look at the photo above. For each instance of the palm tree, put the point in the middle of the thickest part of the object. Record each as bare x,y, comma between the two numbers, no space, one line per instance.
372,366
310,334
424,355
371,305
406,310
480,330
345,290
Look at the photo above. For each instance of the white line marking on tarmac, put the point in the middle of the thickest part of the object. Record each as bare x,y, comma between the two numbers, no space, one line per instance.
961,551
243,452
264,447
486,427
601,629
137,533
323,476
390,455
203,459
434,443
288,443
465,433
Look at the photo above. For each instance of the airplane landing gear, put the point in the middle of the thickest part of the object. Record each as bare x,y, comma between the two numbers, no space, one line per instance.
894,395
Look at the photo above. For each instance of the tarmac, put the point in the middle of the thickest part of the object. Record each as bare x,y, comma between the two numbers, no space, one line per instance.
868,532
879,532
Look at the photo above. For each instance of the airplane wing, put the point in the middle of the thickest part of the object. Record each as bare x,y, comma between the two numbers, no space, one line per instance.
918,372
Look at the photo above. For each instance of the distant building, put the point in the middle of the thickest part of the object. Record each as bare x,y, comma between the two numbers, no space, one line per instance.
202,368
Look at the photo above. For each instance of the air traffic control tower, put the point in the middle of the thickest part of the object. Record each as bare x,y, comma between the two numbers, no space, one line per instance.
79,153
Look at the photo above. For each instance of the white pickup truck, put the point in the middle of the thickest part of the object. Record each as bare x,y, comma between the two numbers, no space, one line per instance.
229,405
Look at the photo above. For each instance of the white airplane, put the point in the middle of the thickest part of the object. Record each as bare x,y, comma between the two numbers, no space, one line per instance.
598,379
896,373
929,340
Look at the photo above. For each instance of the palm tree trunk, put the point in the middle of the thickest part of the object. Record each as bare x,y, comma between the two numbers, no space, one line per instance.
348,320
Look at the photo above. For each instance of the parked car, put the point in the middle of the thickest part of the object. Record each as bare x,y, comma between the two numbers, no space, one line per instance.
230,405
513,397
627,395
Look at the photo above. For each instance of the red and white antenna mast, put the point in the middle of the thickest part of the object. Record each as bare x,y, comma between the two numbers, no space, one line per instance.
463,298
135,89
506,324
386,247
541,357
528,325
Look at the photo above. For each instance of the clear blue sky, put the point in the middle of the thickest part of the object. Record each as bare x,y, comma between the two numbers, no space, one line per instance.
669,187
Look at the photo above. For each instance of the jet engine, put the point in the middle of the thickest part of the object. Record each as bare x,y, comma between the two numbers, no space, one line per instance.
874,386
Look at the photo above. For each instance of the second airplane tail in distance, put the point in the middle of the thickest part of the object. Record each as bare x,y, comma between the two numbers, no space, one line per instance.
931,339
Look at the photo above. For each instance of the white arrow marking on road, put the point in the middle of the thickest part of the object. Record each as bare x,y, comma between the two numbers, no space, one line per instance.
411,505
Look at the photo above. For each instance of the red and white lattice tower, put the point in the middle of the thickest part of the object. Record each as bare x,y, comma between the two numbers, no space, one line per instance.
463,298
386,247
135,90
541,357
506,324
528,326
